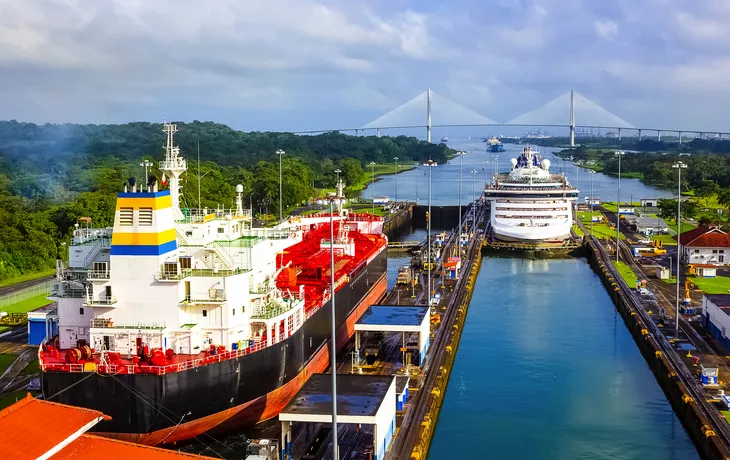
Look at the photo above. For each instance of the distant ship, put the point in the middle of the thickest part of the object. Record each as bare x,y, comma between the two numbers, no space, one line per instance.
529,204
433,163
444,139
498,147
492,140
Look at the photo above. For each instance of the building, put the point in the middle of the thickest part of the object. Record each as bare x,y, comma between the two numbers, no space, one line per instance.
646,225
703,270
649,202
715,311
37,429
705,245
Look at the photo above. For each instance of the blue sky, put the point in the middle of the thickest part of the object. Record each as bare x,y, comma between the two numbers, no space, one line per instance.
318,64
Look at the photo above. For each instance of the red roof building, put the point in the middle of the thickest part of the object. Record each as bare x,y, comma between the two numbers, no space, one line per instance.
705,245
37,429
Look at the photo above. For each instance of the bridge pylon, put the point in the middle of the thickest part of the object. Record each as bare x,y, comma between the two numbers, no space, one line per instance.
572,121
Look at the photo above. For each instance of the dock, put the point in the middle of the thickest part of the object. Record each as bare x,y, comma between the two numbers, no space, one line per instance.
421,364
649,316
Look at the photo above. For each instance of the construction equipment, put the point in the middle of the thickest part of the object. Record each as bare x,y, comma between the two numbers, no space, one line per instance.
658,247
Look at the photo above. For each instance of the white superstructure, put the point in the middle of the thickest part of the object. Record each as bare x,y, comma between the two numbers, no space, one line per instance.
178,278
529,203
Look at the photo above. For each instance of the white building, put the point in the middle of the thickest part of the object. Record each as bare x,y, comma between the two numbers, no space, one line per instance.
705,245
715,310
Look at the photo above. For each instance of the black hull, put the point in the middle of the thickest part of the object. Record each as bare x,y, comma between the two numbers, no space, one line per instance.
144,403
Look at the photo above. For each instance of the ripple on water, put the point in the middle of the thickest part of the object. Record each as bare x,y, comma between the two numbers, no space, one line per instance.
546,369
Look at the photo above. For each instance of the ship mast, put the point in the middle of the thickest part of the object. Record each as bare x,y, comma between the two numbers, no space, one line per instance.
173,166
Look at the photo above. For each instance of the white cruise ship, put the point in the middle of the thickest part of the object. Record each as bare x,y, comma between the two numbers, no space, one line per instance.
529,204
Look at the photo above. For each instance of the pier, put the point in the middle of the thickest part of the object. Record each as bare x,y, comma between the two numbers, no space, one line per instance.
651,320
421,365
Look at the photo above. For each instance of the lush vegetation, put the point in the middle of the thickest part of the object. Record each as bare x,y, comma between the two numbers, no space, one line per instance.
50,175
626,273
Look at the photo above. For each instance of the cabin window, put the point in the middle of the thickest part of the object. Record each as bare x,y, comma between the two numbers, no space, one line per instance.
714,251
145,216
186,262
81,311
221,230
234,312
205,313
169,268
188,233
126,217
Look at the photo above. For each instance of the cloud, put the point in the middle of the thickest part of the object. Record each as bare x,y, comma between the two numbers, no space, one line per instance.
313,64
605,28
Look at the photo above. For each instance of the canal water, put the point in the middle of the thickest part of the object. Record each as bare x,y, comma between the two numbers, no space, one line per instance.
546,369
413,184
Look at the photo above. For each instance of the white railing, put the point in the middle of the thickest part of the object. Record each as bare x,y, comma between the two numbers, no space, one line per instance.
226,259
98,274
101,301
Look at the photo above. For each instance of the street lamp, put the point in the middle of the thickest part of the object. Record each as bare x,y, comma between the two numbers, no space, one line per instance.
487,165
591,173
619,154
281,194
333,343
461,154
372,183
679,166
146,164
473,184
396,179
430,165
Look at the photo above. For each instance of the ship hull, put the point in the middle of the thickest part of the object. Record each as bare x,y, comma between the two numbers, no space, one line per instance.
230,394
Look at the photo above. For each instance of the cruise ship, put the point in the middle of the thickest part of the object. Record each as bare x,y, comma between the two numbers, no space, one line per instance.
529,204
179,321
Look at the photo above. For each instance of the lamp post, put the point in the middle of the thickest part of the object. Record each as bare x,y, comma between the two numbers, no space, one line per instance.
281,194
487,165
428,233
679,166
473,184
591,173
337,171
146,164
333,349
461,154
396,179
619,154
372,183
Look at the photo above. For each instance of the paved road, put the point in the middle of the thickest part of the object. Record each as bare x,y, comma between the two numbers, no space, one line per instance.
25,284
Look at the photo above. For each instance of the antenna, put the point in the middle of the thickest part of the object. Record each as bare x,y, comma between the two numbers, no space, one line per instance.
173,166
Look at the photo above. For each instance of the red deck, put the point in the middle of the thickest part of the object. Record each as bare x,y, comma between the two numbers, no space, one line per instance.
309,267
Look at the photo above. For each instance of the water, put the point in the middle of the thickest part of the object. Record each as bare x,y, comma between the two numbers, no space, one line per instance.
413,184
540,374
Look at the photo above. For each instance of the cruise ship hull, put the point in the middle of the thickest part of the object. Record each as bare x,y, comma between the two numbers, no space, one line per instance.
226,395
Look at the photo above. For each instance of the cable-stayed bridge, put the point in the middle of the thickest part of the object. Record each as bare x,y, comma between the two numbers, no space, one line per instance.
430,110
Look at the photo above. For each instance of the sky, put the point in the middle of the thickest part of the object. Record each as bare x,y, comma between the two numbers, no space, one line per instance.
292,65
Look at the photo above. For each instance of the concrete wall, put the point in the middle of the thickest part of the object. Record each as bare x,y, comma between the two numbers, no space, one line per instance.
399,223
441,216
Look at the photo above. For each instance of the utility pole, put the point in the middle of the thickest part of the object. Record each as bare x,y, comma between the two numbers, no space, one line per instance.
333,349
281,187
679,166
618,153
473,184
396,179
372,183
591,173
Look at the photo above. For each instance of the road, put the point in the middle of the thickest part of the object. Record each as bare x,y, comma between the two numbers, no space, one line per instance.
25,284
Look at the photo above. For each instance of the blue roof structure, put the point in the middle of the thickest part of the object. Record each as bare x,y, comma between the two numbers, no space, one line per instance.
393,315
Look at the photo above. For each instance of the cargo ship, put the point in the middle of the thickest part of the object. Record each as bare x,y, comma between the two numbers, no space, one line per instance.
529,204
177,322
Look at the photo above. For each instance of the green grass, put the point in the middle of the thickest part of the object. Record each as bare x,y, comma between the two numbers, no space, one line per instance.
577,230
686,226
726,414
28,277
604,231
378,170
27,305
611,205
6,359
626,273
719,285
665,239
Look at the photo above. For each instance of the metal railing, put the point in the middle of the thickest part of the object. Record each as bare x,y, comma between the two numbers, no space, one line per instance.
206,272
201,298
42,289
272,310
109,324
102,301
98,274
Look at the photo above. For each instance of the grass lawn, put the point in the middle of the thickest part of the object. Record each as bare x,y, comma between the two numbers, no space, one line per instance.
726,414
28,277
625,273
604,231
665,239
585,216
26,305
611,205
379,170
577,230
686,226
6,359
719,285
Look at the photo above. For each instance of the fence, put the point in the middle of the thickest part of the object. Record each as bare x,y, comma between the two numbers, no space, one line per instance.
41,289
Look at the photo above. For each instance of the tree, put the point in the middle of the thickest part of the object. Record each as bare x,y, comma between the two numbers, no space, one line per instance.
668,208
706,189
